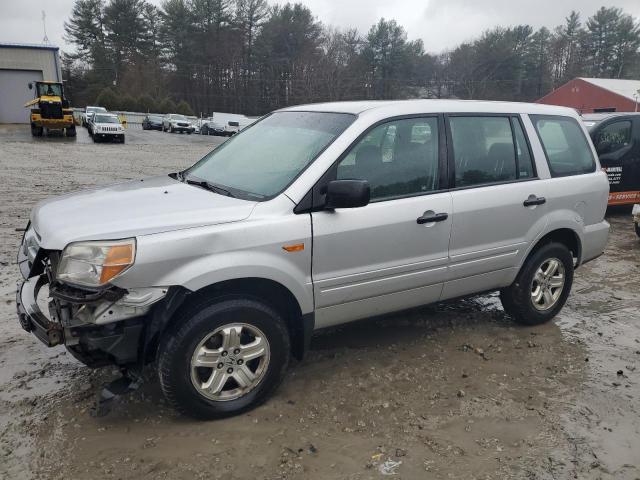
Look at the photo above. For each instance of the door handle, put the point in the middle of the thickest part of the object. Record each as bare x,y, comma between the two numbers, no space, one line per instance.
430,218
533,200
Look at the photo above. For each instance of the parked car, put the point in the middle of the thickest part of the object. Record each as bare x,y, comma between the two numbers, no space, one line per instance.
89,110
174,122
106,126
211,127
152,122
315,216
617,140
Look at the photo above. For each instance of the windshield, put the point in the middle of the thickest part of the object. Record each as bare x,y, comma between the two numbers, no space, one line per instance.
178,117
51,90
106,119
263,160
96,109
155,119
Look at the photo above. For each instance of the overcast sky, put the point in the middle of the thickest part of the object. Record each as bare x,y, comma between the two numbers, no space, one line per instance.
441,24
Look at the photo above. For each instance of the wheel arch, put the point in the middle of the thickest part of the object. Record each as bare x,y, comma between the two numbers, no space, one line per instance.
565,236
271,292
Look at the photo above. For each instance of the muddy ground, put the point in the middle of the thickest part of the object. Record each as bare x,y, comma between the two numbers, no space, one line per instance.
453,390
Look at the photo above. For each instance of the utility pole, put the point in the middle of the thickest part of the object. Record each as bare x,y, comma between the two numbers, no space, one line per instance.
45,40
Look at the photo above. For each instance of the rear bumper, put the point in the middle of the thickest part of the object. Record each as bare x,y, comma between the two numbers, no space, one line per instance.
594,241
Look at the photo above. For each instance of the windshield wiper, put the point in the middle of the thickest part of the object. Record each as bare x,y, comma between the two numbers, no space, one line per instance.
212,187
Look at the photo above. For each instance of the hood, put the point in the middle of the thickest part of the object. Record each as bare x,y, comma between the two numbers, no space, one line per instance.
129,209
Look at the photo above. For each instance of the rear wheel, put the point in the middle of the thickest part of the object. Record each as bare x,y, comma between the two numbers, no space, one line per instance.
71,131
541,287
223,357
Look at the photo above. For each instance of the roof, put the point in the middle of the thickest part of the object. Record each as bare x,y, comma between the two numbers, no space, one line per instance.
418,106
624,88
32,46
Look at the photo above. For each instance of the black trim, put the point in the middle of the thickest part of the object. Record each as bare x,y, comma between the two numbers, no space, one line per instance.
518,118
314,199
308,323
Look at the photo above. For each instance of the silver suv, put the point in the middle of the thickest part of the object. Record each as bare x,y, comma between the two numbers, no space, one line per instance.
314,216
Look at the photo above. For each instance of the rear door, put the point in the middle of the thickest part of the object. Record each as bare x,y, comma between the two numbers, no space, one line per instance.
617,141
499,203
391,254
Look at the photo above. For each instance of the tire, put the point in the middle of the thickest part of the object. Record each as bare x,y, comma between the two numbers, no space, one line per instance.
170,128
178,379
71,131
204,130
637,226
36,131
122,139
518,300
95,140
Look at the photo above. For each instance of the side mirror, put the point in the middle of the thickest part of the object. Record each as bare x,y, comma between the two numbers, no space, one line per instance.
347,194
603,147
30,86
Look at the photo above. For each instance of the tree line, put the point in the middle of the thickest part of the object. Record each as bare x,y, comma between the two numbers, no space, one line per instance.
246,56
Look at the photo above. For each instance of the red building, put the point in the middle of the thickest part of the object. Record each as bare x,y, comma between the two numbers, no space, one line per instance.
594,95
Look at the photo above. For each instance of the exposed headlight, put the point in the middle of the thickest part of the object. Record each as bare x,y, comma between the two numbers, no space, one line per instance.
94,264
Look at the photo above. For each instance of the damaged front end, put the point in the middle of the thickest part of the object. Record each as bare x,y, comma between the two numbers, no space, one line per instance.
99,326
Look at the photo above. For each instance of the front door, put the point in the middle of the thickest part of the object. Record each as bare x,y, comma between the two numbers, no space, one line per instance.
393,253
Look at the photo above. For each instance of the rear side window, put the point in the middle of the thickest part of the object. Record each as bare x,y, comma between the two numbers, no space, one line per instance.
565,145
484,150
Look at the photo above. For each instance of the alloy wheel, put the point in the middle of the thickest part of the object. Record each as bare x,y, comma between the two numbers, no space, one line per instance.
547,285
230,362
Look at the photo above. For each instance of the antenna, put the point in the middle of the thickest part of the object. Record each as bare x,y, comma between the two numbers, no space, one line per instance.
45,40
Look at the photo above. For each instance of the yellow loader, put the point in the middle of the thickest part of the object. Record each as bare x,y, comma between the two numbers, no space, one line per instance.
50,110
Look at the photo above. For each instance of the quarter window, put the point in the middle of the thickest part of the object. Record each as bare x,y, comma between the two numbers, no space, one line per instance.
398,158
614,137
565,145
483,150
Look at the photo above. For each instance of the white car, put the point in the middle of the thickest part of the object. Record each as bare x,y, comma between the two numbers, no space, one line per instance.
174,122
106,126
90,110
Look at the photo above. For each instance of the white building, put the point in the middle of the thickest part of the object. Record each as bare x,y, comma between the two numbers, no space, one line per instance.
19,65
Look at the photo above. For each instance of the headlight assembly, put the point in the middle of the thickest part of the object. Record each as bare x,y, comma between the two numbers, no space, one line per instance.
94,264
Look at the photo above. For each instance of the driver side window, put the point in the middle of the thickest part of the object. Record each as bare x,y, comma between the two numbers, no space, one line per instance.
615,136
398,158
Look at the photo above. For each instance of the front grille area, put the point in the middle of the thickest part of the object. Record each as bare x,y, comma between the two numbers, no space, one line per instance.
51,110
183,124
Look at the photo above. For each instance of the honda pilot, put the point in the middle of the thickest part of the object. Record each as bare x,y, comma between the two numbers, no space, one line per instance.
314,216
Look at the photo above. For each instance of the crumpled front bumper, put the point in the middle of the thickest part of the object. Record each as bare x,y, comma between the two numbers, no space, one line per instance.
31,317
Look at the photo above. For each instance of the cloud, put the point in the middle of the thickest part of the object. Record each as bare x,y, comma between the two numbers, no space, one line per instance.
441,24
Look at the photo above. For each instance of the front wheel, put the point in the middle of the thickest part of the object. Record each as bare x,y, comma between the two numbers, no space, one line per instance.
223,357
71,131
542,286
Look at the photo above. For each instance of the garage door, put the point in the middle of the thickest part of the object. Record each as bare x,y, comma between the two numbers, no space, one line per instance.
14,92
